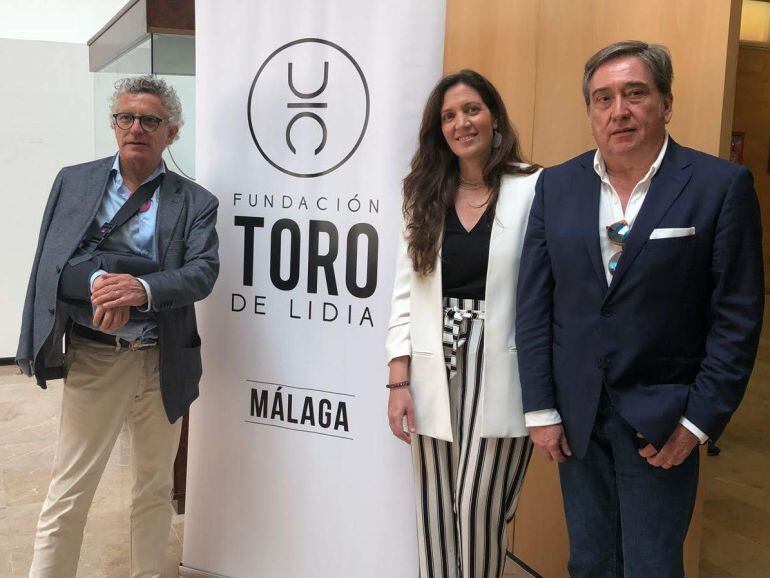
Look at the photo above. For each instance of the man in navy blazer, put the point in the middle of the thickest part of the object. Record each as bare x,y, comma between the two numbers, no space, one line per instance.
640,303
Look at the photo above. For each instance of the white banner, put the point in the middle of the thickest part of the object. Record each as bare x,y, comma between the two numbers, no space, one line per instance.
307,117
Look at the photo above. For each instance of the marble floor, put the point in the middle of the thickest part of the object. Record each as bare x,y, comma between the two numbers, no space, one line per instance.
736,533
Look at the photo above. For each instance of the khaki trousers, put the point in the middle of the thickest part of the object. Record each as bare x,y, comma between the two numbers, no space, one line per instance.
105,389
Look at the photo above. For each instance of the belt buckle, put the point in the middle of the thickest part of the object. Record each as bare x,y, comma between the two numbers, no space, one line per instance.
138,345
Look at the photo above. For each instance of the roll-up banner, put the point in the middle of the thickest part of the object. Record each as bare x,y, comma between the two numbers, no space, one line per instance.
307,116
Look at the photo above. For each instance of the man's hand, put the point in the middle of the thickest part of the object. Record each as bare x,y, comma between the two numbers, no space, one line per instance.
551,441
676,449
113,290
110,320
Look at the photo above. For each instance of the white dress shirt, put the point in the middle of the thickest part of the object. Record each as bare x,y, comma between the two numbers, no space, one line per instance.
611,211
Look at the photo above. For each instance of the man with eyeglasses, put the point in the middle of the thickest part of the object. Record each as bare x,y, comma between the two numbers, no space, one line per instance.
640,303
132,346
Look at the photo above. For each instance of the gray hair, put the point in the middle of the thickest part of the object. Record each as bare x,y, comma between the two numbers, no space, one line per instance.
656,57
147,84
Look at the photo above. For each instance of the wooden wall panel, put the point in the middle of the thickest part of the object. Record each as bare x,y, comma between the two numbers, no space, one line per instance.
752,116
534,52
731,71
171,16
540,535
497,39
569,32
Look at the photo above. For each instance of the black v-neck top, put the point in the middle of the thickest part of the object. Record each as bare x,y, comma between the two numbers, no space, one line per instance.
465,256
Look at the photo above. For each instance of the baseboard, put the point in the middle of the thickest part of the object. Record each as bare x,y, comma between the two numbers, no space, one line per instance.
187,572
7,360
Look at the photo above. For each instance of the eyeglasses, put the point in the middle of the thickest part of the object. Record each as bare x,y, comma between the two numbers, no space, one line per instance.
617,234
125,121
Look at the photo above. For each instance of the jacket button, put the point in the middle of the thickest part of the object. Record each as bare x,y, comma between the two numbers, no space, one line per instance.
58,269
606,313
51,310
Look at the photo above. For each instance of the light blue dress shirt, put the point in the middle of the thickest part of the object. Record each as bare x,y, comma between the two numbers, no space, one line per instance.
136,236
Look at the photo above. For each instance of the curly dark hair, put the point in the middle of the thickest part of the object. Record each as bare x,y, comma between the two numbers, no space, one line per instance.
430,186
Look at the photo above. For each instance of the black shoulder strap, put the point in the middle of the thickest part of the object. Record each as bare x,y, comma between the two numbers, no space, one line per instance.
94,239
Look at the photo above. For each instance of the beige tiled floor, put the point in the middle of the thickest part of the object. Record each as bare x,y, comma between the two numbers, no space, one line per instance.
736,533
28,428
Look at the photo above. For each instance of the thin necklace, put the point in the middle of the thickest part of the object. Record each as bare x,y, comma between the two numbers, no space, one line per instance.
470,185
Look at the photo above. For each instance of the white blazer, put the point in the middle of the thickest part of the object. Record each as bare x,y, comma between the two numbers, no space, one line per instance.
417,319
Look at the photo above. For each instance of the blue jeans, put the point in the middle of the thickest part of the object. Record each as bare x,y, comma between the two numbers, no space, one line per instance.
625,518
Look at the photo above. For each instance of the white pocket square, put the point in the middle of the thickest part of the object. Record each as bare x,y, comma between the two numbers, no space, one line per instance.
669,233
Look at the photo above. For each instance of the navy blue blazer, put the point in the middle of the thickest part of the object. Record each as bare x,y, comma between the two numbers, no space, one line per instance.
675,333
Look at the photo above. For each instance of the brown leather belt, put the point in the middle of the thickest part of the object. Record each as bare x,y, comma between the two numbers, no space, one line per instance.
113,340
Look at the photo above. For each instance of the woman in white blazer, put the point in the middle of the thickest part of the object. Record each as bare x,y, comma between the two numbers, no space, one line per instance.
451,345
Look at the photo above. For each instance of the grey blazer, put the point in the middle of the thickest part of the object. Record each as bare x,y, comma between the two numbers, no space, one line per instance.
189,263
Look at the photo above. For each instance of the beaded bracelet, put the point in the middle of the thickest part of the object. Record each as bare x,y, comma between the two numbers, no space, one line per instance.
398,384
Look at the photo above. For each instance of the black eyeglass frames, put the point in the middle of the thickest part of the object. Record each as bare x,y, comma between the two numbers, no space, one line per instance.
125,120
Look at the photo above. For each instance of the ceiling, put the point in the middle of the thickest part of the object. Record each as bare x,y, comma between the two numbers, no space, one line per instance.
55,20
78,20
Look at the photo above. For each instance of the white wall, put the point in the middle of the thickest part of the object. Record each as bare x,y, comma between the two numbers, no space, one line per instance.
180,156
55,20
46,122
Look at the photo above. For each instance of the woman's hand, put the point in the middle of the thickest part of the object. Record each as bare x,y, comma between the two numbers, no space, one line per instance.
400,405
400,400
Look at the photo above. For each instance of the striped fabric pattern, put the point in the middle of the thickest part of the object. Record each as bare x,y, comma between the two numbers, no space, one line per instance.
466,491
458,314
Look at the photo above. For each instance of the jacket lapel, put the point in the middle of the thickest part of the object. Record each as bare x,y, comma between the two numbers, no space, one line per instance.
587,218
84,204
665,188
501,210
169,209
97,185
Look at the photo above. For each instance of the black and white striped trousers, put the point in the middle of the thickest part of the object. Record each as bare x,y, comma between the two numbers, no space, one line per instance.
466,490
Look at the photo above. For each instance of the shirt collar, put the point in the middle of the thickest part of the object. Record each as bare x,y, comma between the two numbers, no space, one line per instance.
601,169
115,171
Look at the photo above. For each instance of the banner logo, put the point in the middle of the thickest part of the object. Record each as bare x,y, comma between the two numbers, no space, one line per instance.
308,107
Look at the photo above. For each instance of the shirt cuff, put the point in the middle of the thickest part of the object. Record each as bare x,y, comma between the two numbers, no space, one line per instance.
541,417
95,274
694,429
147,306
